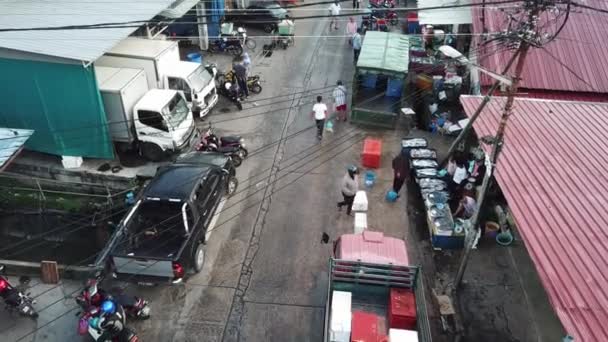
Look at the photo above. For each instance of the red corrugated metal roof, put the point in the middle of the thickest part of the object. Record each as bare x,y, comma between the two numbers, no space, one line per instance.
553,173
580,47
373,247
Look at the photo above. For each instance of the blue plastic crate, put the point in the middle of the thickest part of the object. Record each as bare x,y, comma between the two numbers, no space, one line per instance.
369,81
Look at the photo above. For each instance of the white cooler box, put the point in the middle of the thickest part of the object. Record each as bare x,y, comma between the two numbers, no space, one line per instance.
360,203
399,335
360,222
341,316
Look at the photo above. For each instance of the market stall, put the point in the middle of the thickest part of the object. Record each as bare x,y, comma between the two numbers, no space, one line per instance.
445,231
380,79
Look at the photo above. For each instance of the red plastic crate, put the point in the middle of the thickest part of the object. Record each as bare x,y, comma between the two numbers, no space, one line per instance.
372,150
402,309
364,327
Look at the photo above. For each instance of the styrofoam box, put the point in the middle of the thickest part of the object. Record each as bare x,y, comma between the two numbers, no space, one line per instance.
341,316
360,222
400,335
360,203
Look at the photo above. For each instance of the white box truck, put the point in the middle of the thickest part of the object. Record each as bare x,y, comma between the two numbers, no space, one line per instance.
164,70
155,122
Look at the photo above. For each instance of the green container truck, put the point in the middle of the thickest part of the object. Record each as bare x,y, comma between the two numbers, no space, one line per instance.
380,79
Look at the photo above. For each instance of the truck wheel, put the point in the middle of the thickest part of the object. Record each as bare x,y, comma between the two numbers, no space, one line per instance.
231,186
152,152
198,260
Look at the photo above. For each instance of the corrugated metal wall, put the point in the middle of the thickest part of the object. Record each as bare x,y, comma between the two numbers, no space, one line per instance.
61,102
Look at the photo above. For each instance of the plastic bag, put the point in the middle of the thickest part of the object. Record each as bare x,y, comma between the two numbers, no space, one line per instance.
329,126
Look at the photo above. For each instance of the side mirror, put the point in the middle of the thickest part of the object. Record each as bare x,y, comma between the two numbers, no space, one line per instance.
1,268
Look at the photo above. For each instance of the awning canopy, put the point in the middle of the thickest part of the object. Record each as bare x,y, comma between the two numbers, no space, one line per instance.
552,171
384,52
11,142
451,16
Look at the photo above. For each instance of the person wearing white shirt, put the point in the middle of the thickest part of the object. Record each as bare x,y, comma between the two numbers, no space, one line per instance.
334,11
319,113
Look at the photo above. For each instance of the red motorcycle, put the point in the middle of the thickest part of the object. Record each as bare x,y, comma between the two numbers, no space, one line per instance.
14,298
232,145
92,296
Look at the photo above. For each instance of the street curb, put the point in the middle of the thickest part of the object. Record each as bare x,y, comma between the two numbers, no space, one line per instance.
19,268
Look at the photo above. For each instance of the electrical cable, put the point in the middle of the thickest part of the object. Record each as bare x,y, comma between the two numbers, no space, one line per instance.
126,24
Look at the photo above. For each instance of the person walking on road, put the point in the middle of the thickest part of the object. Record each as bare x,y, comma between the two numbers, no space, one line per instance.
351,29
357,41
339,95
334,11
350,186
319,113
401,169
240,71
356,4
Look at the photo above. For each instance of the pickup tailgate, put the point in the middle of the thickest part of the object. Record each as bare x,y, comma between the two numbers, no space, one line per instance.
139,266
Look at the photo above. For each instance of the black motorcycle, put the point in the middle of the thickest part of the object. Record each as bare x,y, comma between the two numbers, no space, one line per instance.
232,45
14,298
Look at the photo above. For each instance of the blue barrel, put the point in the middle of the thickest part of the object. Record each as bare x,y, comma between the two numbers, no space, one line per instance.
369,81
394,88
195,57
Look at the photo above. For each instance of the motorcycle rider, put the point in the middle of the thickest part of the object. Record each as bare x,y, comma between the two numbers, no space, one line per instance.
111,321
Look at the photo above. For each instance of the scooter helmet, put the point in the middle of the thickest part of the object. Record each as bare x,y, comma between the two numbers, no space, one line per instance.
240,30
108,307
3,284
352,169
228,85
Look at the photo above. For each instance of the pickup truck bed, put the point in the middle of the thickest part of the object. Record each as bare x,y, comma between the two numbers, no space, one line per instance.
369,285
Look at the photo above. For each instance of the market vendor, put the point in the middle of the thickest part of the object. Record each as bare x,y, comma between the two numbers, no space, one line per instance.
466,207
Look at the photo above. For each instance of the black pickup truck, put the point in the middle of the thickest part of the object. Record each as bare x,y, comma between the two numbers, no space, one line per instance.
163,234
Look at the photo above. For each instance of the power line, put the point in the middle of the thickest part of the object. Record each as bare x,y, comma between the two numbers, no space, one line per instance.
128,24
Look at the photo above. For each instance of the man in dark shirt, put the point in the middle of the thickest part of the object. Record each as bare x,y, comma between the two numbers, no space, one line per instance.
241,76
401,169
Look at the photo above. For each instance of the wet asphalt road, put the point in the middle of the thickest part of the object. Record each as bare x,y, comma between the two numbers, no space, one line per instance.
264,278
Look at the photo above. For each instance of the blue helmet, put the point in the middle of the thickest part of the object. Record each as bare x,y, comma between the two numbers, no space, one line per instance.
108,307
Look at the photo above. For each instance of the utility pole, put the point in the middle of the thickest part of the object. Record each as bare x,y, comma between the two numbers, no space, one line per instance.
525,36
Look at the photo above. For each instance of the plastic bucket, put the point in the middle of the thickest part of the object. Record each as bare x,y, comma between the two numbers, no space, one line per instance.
391,196
504,238
195,57
492,229
370,178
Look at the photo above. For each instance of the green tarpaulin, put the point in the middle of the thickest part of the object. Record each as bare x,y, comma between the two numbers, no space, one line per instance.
60,102
384,52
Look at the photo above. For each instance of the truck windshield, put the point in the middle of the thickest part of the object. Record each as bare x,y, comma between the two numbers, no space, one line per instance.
176,111
199,79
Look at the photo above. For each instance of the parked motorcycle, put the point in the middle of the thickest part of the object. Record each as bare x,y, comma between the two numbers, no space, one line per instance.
232,145
93,296
89,319
15,299
253,82
241,33
232,45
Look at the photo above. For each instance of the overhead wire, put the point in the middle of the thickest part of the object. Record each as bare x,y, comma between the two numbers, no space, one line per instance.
128,24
